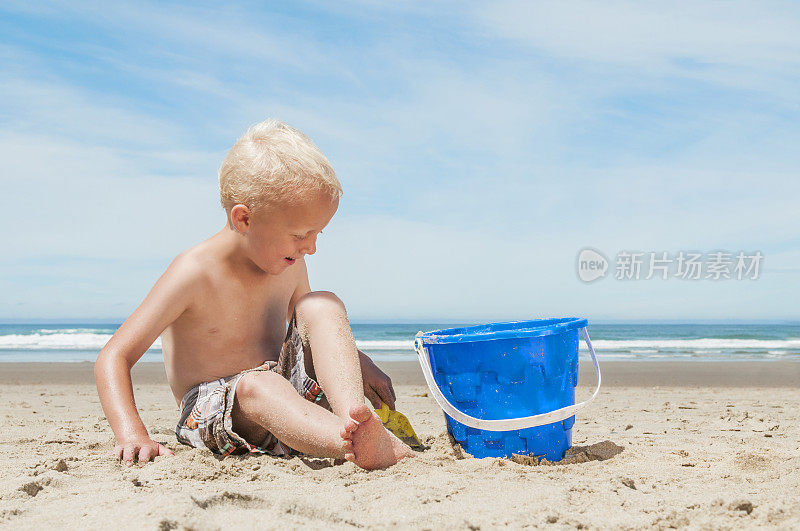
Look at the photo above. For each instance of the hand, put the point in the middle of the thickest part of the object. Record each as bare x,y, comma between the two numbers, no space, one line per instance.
140,449
377,385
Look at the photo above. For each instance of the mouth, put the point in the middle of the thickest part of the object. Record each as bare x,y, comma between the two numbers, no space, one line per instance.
290,261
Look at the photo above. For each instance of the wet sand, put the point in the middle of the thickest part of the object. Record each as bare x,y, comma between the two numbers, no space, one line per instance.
615,373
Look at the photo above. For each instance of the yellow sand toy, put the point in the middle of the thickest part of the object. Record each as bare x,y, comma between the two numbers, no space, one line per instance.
398,424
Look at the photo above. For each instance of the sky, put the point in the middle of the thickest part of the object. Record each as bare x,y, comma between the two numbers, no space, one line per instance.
481,147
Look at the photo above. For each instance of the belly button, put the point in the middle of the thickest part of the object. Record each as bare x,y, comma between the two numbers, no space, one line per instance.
213,330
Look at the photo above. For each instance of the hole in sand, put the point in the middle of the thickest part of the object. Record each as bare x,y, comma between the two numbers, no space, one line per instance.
226,497
577,454
318,463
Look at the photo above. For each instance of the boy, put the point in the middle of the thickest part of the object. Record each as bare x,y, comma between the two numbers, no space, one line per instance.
243,381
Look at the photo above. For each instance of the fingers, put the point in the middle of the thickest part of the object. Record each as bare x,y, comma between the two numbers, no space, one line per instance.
163,450
145,453
381,392
373,397
386,393
128,454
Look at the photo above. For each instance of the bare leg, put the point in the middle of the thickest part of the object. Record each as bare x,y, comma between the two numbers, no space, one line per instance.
329,344
267,402
327,337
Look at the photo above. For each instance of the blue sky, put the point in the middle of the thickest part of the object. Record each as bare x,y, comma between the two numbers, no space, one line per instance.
480,146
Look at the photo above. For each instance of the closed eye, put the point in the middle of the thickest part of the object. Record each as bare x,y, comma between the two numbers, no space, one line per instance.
301,237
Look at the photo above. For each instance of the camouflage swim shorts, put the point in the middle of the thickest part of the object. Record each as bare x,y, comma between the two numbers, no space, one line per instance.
205,410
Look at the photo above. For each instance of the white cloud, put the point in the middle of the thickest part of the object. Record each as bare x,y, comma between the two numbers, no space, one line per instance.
63,111
652,34
70,199
92,178
471,180
191,32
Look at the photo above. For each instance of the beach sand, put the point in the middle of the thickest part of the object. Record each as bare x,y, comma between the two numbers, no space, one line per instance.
702,445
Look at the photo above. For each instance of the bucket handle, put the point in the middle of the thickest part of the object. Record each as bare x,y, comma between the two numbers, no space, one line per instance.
519,423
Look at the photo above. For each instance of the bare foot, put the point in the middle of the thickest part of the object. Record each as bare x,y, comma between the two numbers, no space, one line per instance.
348,428
373,446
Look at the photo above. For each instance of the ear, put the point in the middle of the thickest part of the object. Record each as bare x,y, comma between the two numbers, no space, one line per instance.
241,218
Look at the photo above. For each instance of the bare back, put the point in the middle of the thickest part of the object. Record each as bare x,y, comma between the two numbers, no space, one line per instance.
235,321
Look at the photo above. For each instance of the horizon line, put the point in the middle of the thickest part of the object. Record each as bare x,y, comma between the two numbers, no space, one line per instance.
444,321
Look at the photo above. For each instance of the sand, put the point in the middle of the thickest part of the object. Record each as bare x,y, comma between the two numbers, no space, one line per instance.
664,445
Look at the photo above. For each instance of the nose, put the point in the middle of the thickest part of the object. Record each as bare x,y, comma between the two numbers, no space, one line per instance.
310,246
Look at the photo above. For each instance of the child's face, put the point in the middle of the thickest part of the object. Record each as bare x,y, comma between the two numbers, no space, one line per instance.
285,233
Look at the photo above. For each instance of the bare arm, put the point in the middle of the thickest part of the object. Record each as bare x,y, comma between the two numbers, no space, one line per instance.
377,384
167,300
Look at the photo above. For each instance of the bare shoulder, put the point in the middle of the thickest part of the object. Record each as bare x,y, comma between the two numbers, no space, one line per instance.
190,268
178,287
173,293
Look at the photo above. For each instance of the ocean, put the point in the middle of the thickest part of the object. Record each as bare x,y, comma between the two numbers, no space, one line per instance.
388,342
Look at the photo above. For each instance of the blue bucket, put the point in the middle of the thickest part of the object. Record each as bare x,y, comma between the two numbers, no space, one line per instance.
507,388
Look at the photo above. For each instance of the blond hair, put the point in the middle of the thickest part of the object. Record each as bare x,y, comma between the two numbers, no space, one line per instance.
274,163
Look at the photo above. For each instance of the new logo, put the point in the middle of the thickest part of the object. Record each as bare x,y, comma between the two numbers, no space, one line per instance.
592,265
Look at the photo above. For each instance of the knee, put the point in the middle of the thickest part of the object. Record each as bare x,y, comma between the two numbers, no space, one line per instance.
318,304
256,384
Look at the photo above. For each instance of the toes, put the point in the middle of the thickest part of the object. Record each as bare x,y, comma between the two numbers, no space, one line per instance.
344,434
347,447
360,413
350,457
350,426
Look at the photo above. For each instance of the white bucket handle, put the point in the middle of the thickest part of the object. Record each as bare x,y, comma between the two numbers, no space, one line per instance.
519,423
